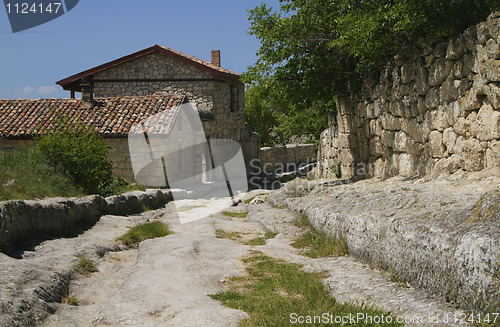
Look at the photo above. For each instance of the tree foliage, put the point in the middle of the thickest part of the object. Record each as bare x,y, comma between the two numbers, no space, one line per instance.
311,50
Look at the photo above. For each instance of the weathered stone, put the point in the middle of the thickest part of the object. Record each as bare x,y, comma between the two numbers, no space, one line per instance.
432,98
453,112
440,49
473,155
390,122
448,91
387,138
449,140
408,72
491,70
439,71
396,108
402,143
376,127
376,148
491,159
493,49
437,119
492,91
489,123
455,48
436,144
422,85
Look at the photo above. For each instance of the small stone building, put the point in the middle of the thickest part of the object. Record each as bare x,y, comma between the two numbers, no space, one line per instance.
126,91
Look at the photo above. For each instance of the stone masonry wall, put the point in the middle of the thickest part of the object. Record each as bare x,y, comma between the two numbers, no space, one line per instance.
429,113
279,159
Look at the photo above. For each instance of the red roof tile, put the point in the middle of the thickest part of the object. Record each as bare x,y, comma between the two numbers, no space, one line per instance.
73,82
110,116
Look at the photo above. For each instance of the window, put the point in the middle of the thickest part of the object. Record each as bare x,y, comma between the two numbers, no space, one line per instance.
234,98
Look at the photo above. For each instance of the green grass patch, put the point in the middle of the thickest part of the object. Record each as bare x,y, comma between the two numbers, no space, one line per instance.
25,175
142,232
262,239
220,233
273,289
235,214
317,244
302,221
70,300
85,266
239,237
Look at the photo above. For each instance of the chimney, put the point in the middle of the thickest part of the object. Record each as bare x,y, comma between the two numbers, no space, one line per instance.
216,57
87,86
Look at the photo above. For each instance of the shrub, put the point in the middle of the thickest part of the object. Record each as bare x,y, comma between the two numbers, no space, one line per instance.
80,153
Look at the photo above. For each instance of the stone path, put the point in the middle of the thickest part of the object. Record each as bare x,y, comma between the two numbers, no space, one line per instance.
166,282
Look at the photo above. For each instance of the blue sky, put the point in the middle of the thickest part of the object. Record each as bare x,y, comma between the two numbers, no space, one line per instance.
95,32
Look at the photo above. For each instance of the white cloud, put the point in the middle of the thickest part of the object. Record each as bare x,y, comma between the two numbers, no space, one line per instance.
27,89
46,89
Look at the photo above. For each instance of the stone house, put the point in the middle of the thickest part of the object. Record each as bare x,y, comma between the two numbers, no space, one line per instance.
126,91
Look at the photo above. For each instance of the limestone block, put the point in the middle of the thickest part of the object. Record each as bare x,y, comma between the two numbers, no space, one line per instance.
449,139
387,138
408,72
396,108
379,106
402,143
491,70
437,119
448,91
432,98
412,129
346,158
425,129
468,64
480,57
492,91
436,144
453,112
456,48
491,159
440,50
459,145
422,85
473,155
492,49
439,71
407,164
448,165
344,140
390,122
376,148
489,123
421,106
376,127
472,124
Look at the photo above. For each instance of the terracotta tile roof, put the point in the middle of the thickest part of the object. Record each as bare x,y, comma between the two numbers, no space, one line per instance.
73,82
110,116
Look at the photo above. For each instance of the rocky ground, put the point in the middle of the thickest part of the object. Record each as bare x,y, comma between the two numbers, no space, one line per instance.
166,281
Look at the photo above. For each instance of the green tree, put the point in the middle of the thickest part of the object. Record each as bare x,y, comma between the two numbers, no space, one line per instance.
80,153
311,51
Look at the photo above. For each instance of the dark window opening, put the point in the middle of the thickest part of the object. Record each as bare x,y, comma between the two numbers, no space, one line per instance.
234,98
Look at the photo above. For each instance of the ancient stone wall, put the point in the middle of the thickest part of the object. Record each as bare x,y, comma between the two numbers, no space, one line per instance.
290,157
431,112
